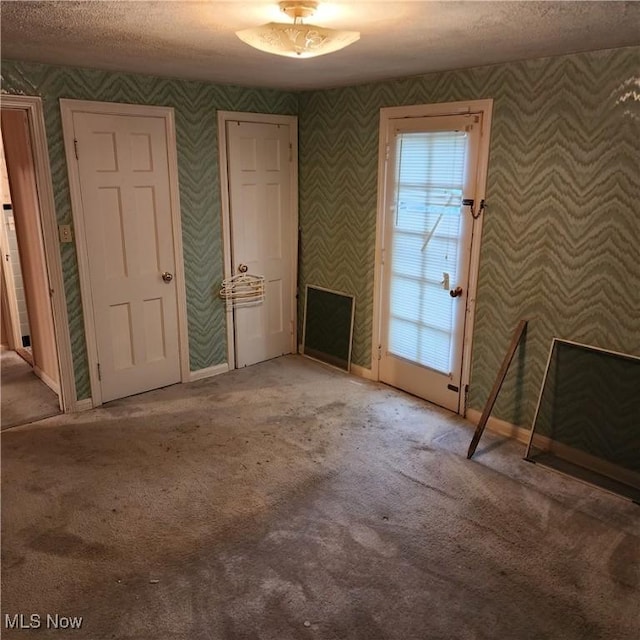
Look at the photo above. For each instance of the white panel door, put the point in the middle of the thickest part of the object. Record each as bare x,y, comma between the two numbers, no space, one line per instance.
427,247
260,183
124,181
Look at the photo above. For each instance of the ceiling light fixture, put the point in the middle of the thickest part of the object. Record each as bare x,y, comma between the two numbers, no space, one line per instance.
297,40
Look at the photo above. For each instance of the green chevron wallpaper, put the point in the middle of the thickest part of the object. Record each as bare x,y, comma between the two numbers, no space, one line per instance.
561,233
561,237
195,105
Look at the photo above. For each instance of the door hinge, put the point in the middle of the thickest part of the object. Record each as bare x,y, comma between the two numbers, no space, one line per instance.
75,147
99,373
290,152
379,352
292,326
386,152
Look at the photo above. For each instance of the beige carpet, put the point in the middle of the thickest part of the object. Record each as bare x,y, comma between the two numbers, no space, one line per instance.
288,501
24,397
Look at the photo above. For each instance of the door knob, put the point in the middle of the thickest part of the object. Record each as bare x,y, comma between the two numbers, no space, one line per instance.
242,268
167,277
454,293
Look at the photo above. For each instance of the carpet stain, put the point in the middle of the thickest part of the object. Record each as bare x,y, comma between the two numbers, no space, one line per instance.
624,563
301,499
11,560
371,540
423,484
65,544
331,407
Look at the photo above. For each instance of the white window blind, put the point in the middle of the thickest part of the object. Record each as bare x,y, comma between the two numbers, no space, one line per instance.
425,245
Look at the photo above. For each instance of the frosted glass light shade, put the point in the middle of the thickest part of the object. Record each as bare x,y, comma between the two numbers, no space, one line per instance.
297,40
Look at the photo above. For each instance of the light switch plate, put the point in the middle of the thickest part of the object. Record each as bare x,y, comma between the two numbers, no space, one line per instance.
64,230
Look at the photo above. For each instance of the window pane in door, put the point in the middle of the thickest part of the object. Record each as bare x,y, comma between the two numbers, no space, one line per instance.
425,246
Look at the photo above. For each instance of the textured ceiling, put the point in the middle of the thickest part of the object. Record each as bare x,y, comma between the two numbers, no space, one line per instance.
196,40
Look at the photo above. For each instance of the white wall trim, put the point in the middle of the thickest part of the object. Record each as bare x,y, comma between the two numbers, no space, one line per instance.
356,369
501,427
68,108
209,372
486,108
265,118
387,114
49,227
564,452
81,249
52,384
226,229
25,354
587,461
176,222
11,313
83,405
362,372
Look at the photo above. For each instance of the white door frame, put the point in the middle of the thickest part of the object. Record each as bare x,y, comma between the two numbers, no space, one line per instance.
11,313
68,108
388,114
49,230
263,118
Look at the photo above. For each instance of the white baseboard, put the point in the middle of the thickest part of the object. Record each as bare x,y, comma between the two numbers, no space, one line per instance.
586,460
25,354
81,405
356,369
361,372
52,384
209,372
501,427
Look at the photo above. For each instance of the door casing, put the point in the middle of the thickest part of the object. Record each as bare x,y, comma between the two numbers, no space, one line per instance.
292,121
387,115
68,107
32,106
11,313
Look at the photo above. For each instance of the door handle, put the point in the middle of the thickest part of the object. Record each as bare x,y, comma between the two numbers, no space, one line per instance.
167,277
242,268
454,293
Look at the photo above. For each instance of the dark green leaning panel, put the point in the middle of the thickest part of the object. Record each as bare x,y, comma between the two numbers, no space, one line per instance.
328,326
589,412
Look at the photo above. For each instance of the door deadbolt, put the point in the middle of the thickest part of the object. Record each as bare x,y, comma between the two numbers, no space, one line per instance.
167,277
454,293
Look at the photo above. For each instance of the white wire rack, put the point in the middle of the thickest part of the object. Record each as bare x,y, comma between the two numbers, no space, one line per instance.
242,289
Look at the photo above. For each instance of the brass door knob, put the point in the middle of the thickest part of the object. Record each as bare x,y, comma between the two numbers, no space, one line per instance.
455,293
167,277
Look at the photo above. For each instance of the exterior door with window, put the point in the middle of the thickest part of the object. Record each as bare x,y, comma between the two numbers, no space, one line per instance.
431,168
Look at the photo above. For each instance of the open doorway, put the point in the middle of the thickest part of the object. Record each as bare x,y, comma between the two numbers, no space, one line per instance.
29,358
